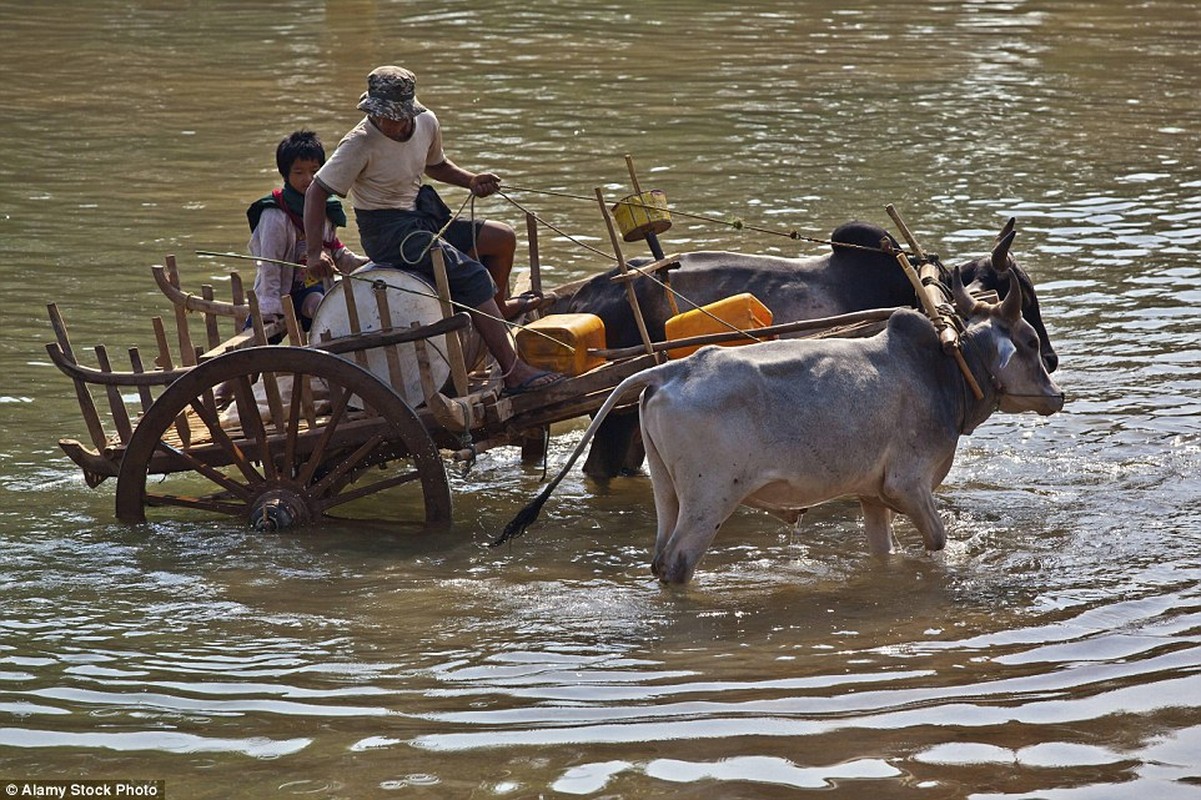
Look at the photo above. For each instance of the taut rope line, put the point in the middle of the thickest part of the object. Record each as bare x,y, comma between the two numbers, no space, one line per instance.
562,233
662,284
737,224
373,281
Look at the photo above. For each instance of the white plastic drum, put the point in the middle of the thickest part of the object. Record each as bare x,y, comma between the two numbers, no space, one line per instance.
410,299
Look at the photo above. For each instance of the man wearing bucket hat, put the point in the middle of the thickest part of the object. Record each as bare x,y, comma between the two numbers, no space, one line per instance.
381,162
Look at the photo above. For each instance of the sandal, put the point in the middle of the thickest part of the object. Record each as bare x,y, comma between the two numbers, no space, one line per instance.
542,380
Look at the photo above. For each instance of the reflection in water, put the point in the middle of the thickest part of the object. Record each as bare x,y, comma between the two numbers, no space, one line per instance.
1052,650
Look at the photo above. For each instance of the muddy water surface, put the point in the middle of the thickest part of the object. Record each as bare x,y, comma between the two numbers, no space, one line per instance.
1053,650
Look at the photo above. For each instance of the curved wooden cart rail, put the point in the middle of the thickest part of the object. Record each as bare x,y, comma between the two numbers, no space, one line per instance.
100,377
349,344
307,463
192,302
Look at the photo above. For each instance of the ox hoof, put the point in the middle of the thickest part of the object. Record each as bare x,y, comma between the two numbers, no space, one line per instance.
678,572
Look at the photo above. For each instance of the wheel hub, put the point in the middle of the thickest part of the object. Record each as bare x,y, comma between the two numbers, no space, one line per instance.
277,510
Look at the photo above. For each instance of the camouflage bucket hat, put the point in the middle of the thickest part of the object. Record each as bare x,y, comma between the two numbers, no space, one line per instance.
391,92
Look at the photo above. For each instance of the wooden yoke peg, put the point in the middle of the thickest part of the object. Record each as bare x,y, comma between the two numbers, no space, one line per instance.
930,297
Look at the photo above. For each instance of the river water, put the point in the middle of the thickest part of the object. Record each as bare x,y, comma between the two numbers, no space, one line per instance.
1052,651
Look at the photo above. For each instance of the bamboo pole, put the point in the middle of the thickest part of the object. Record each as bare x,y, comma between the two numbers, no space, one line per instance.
631,294
454,345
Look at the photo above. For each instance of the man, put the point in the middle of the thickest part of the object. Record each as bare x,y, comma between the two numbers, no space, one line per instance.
381,162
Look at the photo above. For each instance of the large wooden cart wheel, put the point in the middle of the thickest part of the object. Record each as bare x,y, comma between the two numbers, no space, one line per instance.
337,436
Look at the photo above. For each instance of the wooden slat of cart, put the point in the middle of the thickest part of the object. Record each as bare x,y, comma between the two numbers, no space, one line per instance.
270,384
135,362
391,353
241,310
212,334
166,364
116,405
454,345
187,352
87,406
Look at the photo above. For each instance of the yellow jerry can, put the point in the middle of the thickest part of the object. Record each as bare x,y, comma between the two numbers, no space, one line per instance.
742,311
560,342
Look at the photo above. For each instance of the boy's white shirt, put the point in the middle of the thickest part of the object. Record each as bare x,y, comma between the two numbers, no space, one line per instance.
277,237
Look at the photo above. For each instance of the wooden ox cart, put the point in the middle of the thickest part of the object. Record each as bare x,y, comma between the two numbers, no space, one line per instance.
355,421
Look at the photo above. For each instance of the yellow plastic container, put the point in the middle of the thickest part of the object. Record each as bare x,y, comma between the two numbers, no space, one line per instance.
566,349
742,311
640,214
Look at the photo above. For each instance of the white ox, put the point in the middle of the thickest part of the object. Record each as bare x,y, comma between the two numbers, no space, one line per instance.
786,425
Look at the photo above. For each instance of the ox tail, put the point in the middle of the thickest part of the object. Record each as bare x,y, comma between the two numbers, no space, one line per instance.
528,515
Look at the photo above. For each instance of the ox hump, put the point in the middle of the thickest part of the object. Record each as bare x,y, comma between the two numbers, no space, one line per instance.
912,326
861,234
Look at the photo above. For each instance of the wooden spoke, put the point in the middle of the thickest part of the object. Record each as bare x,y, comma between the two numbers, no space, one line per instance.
378,486
197,503
212,473
336,415
252,422
220,437
346,466
300,386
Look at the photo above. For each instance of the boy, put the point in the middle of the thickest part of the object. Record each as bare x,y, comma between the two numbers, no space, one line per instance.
277,232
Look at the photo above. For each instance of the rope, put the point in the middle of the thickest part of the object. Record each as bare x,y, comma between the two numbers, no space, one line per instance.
562,233
372,281
437,234
737,224
662,284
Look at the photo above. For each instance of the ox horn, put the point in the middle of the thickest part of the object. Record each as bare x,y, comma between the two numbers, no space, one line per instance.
1011,306
1000,249
965,304
1005,231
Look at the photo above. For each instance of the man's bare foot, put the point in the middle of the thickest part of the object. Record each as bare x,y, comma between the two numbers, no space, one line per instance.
521,304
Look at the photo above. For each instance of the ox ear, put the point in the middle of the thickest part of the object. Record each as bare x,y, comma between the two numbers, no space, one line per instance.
1000,250
1011,306
965,304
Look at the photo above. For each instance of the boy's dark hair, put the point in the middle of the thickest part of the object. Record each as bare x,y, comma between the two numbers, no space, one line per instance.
297,145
